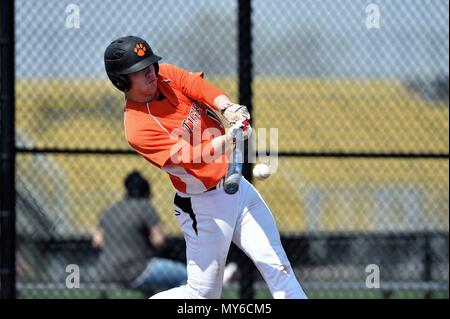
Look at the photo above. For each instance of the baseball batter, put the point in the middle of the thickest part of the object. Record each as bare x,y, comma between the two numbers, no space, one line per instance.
170,119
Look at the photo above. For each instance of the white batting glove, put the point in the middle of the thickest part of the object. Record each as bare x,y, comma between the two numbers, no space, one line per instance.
243,125
234,112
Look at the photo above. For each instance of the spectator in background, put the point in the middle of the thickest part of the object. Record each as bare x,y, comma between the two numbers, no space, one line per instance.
130,236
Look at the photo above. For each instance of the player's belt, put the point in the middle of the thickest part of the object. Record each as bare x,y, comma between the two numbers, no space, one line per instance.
218,185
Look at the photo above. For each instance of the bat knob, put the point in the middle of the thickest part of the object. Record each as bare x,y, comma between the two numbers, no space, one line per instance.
231,185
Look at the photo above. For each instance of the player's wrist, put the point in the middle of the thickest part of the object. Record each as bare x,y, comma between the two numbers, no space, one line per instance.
220,102
224,107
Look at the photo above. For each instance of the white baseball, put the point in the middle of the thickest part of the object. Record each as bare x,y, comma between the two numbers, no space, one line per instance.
261,172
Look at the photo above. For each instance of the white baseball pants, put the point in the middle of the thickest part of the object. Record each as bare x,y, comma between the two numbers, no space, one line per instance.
210,221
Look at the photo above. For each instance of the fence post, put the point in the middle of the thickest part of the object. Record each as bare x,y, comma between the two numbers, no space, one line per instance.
7,153
245,97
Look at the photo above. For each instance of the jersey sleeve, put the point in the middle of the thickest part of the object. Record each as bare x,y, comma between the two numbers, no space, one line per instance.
192,84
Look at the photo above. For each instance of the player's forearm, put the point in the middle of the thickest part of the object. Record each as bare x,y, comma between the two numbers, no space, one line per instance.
206,151
221,100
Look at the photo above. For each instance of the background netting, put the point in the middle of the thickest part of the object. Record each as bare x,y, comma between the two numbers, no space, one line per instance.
358,94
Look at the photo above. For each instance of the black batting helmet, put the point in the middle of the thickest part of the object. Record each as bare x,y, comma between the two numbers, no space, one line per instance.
127,55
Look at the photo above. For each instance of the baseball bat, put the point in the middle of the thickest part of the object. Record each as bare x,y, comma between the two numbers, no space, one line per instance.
234,173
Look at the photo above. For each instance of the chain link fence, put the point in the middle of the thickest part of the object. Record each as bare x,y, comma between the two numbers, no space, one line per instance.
359,89
358,95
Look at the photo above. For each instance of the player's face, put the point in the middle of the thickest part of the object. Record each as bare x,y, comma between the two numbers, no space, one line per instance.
144,82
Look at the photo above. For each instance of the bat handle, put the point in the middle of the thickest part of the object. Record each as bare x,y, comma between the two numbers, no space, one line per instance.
231,185
238,136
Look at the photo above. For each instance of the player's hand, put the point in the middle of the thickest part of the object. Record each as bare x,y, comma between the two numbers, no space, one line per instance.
243,125
234,112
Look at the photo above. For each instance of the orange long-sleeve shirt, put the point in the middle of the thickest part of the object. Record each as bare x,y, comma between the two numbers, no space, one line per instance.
175,125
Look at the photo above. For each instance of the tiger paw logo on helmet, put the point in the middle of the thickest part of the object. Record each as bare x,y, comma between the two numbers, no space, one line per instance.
140,49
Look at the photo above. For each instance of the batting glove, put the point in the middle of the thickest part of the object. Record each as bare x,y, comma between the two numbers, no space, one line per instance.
234,112
243,125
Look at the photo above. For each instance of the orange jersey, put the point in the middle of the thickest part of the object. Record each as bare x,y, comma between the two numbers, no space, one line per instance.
169,125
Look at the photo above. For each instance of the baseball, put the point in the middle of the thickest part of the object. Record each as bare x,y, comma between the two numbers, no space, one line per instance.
261,172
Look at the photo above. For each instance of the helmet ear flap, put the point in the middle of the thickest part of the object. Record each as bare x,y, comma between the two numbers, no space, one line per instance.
122,82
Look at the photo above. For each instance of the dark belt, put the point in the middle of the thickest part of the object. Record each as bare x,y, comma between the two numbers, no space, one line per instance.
215,186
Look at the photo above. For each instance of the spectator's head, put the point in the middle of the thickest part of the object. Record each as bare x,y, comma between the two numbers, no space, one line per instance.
137,186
